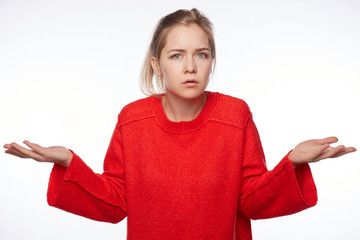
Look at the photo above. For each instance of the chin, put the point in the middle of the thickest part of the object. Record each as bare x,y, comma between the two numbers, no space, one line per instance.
188,93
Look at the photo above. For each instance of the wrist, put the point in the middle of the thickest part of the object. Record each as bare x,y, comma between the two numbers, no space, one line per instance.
293,160
67,161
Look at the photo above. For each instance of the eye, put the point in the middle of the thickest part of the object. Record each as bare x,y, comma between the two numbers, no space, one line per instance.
203,55
175,56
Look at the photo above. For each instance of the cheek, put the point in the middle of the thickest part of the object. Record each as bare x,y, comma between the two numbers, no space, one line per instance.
171,69
205,67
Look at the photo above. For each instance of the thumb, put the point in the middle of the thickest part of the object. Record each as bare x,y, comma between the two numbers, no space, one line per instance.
35,147
327,140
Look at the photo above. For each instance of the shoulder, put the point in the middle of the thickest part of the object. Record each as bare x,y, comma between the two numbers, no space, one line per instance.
232,110
135,110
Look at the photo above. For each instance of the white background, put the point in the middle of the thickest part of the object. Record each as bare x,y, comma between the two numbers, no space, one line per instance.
68,67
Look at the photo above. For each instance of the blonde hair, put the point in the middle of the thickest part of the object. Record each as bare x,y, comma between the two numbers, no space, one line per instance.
163,27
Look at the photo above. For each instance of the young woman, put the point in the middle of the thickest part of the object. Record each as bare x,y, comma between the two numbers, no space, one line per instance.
183,163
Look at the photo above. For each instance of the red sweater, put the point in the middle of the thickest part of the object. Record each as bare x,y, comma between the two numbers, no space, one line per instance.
196,180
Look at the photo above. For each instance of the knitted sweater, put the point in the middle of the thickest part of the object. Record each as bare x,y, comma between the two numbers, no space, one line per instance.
202,179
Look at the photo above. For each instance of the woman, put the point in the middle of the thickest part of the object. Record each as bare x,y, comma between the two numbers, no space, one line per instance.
184,163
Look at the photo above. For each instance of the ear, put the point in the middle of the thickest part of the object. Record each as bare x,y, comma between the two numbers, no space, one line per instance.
155,65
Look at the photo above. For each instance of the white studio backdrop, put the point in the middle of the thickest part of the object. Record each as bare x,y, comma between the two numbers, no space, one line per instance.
68,67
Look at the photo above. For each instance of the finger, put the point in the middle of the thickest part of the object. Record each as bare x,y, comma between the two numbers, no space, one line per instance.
15,154
345,151
319,151
35,147
27,152
331,152
327,140
11,148
7,146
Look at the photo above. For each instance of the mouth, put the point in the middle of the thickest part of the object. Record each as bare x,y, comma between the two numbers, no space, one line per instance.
191,81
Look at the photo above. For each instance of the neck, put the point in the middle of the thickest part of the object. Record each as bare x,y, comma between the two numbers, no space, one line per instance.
179,109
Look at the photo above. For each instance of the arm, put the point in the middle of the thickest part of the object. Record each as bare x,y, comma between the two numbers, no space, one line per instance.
77,189
285,190
74,187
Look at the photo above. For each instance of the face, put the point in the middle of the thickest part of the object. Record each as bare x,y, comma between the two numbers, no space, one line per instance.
185,56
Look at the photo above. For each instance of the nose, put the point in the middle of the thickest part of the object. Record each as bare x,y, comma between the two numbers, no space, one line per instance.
190,65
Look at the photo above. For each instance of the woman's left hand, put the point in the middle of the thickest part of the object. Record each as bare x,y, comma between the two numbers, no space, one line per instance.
317,149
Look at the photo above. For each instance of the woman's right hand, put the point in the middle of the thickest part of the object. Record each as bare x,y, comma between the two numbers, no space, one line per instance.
55,154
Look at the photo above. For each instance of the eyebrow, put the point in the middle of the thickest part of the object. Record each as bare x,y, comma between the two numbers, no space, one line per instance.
183,50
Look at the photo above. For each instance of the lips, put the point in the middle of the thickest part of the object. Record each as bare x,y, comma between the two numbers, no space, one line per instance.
191,81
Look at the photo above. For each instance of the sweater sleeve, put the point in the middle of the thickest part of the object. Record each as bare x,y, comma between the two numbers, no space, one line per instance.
77,189
282,191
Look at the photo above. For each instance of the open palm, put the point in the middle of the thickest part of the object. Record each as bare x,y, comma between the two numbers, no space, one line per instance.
54,154
314,150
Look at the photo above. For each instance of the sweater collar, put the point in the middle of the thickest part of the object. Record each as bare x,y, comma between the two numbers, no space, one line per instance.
183,126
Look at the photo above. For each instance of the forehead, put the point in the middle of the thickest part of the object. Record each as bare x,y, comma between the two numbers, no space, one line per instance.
186,37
